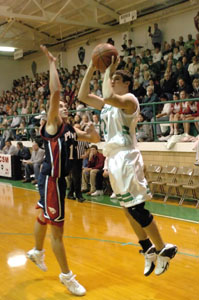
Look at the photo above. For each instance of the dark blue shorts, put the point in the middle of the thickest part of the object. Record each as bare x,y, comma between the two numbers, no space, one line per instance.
52,198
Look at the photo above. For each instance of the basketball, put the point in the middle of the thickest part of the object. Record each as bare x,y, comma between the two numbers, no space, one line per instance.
102,56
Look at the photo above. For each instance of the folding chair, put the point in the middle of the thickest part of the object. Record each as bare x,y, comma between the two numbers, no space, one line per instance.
182,177
192,186
167,175
152,173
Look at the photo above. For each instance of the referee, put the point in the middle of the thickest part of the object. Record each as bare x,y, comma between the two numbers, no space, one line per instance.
77,150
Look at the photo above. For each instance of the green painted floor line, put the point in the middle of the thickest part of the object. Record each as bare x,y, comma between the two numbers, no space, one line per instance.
95,239
161,209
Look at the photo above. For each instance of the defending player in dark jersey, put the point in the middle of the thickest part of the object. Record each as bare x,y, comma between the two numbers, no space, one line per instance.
58,137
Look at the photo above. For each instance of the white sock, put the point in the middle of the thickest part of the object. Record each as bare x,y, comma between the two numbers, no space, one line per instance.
67,275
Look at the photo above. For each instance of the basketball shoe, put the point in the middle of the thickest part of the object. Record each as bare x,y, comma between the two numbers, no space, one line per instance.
150,259
72,284
37,257
163,258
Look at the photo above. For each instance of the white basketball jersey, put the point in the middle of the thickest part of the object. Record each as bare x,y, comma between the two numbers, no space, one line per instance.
118,127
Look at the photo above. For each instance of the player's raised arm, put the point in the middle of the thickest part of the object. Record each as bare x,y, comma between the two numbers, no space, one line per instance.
84,91
53,120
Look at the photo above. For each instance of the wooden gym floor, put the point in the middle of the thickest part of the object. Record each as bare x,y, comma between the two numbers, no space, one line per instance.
102,250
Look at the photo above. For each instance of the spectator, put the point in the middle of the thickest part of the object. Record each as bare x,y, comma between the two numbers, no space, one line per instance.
96,90
173,44
185,62
162,116
182,85
147,76
147,110
148,55
101,177
144,131
85,157
9,148
32,166
96,123
194,115
130,46
186,111
79,107
138,90
95,163
84,122
23,152
129,65
137,75
143,57
133,57
195,85
157,55
7,135
190,42
156,86
33,122
176,53
15,121
166,51
156,37
176,109
181,41
21,132
193,68
77,119
181,72
170,68
122,63
167,84
139,64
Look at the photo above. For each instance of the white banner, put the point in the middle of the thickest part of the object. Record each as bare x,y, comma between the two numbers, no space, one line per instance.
128,17
5,165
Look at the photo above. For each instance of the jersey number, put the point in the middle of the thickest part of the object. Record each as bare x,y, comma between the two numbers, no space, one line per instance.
71,152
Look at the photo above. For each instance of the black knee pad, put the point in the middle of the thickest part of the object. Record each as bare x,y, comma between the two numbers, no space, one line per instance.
140,214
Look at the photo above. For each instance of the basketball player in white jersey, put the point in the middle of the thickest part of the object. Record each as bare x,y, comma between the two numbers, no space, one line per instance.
119,112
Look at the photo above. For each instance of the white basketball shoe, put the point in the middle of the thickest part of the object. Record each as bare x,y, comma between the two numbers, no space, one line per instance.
37,257
163,258
150,259
72,284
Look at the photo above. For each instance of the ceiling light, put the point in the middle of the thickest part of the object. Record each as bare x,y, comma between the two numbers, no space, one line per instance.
7,49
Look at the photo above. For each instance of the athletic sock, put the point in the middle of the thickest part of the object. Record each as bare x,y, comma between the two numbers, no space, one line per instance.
67,275
145,244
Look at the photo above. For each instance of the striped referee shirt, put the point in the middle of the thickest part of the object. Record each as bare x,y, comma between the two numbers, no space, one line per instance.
78,149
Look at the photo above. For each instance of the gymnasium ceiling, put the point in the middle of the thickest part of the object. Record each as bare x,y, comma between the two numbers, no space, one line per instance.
26,24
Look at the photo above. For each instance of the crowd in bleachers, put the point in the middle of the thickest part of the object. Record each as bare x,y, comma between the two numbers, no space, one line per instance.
170,72
165,73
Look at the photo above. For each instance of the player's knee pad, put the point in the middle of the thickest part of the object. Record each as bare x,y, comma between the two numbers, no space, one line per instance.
140,214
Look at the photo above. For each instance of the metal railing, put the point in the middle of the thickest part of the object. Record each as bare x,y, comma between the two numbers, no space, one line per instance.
154,104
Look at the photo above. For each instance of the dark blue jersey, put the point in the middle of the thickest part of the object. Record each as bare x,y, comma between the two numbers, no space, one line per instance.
57,151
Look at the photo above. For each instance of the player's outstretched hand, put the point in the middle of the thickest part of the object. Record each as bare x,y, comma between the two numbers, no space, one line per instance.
89,127
91,66
90,130
114,63
49,55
